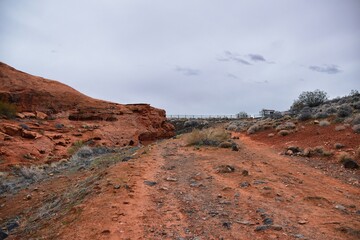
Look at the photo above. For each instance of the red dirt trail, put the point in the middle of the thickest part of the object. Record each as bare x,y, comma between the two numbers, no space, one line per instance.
268,196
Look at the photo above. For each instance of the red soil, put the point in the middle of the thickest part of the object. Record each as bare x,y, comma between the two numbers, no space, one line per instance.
191,200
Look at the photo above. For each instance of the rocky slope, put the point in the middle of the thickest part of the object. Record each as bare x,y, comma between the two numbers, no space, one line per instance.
53,119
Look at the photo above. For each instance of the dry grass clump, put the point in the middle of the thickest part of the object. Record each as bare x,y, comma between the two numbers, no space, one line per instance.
261,125
283,133
225,145
319,151
324,123
209,137
347,161
286,126
357,153
356,128
338,145
7,109
75,147
356,120
344,157
340,128
253,129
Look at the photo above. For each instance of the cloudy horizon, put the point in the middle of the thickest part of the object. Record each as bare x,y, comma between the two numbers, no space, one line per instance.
188,57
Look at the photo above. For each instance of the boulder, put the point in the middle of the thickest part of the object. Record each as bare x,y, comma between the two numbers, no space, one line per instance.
28,134
41,115
10,129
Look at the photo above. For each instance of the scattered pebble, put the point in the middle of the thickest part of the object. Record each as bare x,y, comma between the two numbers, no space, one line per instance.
150,183
299,236
262,228
3,235
226,225
268,221
105,232
244,222
171,179
245,173
244,184
117,186
276,227
340,207
257,182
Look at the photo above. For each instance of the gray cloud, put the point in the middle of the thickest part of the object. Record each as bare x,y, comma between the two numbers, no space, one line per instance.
262,82
136,45
230,75
230,56
188,71
329,69
256,57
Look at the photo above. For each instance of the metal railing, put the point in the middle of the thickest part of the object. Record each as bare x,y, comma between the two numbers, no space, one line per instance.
202,117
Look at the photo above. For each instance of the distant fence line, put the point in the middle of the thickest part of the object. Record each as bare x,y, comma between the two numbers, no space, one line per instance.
203,117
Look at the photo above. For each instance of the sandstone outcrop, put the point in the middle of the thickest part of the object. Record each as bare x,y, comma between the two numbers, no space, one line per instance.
51,117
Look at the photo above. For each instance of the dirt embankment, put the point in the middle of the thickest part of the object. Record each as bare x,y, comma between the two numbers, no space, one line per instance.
53,118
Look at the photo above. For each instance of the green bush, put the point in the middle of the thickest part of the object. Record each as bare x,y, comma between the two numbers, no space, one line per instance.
310,99
75,147
207,137
7,109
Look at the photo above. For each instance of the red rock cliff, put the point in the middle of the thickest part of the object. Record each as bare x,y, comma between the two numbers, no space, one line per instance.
53,116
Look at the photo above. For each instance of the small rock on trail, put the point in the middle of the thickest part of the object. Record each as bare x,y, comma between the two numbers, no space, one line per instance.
150,183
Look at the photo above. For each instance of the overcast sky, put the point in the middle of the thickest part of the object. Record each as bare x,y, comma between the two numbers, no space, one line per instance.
188,56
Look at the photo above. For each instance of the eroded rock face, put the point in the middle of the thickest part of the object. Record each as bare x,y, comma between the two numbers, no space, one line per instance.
52,117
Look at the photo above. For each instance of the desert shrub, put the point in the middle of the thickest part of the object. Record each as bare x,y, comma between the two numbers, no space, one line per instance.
286,126
253,129
75,147
286,117
357,153
59,126
276,115
344,111
356,120
239,126
225,144
209,137
338,120
297,106
7,109
354,93
232,127
356,128
312,99
32,173
321,115
24,126
316,151
324,123
331,110
242,115
344,157
356,105
320,151
304,116
283,133
340,128
338,145
84,152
